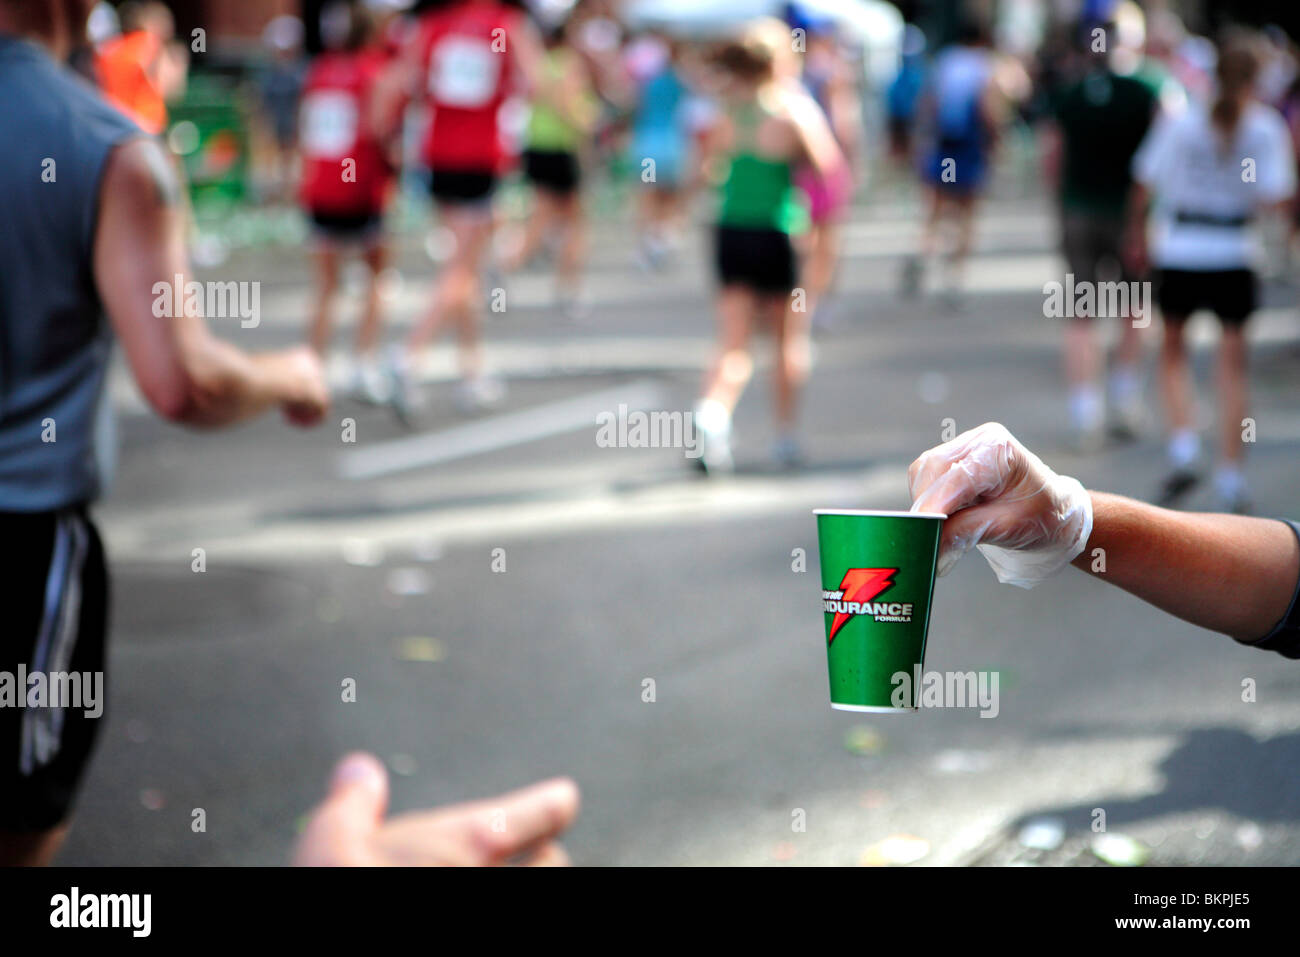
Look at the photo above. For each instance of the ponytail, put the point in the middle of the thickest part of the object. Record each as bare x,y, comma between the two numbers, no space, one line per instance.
1237,69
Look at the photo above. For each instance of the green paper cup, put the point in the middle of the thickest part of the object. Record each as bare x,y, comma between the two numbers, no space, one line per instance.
877,584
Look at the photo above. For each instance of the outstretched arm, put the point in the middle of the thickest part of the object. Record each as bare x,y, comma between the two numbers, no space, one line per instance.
1228,573
186,374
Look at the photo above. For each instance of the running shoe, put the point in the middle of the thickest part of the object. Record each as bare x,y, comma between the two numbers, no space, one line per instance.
786,452
952,300
574,307
370,383
909,283
713,423
478,394
1127,421
1175,486
404,395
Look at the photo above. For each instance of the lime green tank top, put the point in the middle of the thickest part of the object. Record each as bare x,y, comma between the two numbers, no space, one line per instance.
548,130
757,192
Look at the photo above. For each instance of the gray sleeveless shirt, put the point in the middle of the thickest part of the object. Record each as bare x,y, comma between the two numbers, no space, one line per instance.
55,135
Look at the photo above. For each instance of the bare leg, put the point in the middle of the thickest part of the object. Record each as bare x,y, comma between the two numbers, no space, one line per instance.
569,269
455,296
671,213
790,336
1131,348
539,226
467,299
732,367
1082,357
1233,393
35,849
933,223
371,325
647,211
914,266
1082,373
1175,376
964,225
823,256
327,284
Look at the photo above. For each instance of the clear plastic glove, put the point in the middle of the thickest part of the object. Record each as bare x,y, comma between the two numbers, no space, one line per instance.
1028,521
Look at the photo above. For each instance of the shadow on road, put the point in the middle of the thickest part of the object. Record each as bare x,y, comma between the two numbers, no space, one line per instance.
1221,770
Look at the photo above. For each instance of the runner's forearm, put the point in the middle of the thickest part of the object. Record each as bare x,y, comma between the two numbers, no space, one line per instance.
228,385
1228,573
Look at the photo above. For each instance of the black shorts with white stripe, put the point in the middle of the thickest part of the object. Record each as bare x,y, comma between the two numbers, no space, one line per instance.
52,685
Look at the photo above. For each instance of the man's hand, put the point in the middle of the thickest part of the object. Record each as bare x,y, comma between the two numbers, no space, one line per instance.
307,397
1028,521
348,828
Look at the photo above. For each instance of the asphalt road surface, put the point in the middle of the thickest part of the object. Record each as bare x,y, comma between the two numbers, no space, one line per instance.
502,606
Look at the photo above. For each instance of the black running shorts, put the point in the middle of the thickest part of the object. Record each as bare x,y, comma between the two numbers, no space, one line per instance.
347,228
459,187
1228,293
52,566
759,259
554,171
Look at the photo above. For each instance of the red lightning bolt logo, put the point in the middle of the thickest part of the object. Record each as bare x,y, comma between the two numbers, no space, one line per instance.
860,585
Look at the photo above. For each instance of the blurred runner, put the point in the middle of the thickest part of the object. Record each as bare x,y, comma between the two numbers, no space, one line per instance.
1210,170
661,137
280,87
346,182
963,107
903,96
828,78
564,112
464,60
768,127
1290,109
1099,123
140,70
85,250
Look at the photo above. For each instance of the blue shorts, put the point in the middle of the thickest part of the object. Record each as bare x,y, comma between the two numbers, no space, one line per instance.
958,167
668,150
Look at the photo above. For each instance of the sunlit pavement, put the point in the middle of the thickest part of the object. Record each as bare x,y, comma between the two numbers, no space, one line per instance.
477,670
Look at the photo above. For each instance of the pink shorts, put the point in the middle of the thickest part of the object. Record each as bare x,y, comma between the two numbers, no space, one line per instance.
827,198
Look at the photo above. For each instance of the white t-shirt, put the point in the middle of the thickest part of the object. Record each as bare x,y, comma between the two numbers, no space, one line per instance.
1205,195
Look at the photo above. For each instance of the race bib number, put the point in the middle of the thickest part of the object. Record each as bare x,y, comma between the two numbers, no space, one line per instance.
464,72
329,123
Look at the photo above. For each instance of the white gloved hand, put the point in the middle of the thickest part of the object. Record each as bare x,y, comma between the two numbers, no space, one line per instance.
1028,521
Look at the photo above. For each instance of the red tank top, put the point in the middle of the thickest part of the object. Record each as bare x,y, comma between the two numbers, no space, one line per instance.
468,74
335,128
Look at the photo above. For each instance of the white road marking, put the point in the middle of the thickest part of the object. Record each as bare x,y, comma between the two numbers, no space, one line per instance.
499,432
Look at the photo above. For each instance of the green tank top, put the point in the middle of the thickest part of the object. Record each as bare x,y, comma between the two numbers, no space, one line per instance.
758,192
548,130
